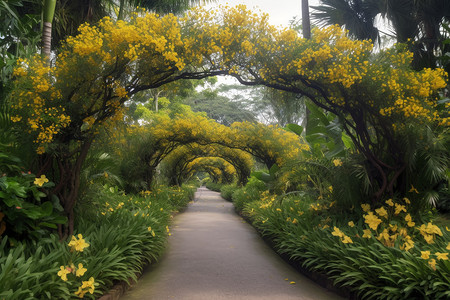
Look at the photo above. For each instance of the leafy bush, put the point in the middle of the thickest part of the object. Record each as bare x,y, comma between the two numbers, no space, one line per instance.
26,211
226,191
213,186
378,254
251,192
119,234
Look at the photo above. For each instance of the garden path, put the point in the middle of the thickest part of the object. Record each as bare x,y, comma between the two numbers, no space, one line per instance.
213,254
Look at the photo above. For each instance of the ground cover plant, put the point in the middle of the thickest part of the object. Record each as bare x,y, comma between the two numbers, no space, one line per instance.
114,240
377,252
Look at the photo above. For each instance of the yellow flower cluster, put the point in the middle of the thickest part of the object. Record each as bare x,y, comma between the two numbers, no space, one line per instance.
88,286
78,244
41,180
77,271
429,232
343,237
98,69
402,231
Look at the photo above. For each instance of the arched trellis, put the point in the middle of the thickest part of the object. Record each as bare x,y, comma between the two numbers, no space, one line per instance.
97,71
157,140
219,170
178,163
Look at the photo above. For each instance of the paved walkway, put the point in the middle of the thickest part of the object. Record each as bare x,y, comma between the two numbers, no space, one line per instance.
213,255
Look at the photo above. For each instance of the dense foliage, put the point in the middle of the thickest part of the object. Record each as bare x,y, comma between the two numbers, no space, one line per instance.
354,187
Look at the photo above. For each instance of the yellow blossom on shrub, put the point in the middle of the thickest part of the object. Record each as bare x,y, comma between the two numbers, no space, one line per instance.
448,246
351,224
347,240
425,254
372,220
408,244
409,220
63,271
337,162
80,270
432,263
441,256
344,238
365,207
399,208
41,180
429,231
367,233
389,202
381,212
78,244
337,232
86,286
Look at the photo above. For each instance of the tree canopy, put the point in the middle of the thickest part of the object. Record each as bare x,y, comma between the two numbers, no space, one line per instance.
375,96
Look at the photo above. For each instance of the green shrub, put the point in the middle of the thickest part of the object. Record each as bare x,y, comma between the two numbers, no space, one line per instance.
213,186
226,191
373,267
123,232
252,191
25,210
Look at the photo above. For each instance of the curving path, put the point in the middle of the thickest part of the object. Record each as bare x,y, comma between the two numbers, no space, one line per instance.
213,255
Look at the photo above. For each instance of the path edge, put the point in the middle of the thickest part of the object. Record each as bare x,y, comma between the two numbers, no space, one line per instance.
317,277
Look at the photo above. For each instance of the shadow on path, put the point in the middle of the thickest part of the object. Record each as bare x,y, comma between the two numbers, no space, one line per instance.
214,254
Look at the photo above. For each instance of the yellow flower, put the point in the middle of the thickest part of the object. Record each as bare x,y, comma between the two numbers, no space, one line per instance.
351,224
409,220
382,212
425,254
432,263
367,233
40,181
372,220
347,240
409,243
448,246
389,202
86,286
399,208
78,245
441,256
337,162
337,232
80,271
428,231
413,189
406,200
365,207
63,271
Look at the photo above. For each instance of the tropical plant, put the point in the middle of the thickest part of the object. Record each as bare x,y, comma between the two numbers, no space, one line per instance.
418,22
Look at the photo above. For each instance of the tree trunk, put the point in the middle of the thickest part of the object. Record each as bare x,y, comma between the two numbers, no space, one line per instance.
306,24
48,12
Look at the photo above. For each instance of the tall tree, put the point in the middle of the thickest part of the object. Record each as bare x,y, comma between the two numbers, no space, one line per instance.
306,24
48,13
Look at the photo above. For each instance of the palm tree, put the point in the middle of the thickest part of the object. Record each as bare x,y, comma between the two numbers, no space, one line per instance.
357,16
306,24
418,21
48,12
